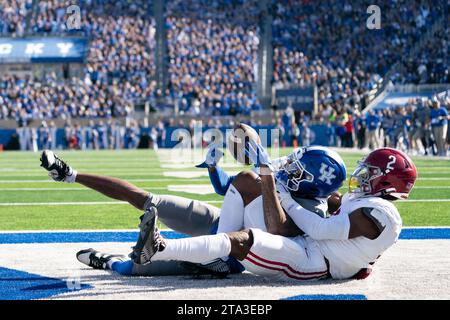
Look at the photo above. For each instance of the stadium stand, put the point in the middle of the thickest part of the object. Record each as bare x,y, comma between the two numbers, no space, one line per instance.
213,52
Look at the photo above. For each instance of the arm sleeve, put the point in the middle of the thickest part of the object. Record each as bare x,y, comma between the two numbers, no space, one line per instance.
220,180
333,228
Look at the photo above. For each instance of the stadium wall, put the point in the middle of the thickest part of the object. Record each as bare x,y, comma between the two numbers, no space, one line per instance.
318,135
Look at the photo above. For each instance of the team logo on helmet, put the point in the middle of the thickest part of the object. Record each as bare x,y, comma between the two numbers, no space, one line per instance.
326,174
312,171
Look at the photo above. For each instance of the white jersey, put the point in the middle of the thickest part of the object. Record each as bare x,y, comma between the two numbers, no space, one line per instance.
348,257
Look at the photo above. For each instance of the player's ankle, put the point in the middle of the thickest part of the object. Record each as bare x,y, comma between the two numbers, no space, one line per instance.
72,177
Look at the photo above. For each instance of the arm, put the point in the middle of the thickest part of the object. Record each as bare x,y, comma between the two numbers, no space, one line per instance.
339,227
220,180
277,222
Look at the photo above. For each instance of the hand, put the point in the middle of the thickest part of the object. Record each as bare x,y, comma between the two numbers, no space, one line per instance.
257,155
213,156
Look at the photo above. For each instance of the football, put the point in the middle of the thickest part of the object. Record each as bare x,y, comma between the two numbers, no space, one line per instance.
241,134
334,202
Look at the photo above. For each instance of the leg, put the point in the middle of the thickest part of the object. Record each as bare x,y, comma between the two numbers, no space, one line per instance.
248,184
114,188
156,268
243,190
184,215
181,214
260,252
284,258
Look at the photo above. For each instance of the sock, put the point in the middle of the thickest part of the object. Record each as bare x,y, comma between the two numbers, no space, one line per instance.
124,268
232,212
197,249
71,178
111,261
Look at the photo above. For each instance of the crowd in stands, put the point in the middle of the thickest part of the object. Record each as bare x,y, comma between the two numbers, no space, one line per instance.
13,15
419,128
431,63
212,57
119,69
327,43
24,98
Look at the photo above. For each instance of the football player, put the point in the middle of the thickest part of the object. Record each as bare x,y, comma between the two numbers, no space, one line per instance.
183,215
342,246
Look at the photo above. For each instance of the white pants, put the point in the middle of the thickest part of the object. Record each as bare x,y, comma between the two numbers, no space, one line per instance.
254,215
283,258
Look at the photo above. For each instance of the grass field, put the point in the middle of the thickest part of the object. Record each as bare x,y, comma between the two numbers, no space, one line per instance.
29,200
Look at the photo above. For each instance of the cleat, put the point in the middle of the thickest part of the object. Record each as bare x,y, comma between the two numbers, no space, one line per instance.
150,241
57,168
96,259
216,268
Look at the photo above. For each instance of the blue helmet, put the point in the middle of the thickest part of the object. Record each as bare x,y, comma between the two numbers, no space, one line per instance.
312,172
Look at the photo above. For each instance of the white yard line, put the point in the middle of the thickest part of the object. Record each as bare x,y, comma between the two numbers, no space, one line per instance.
425,200
165,179
86,203
80,203
6,204
65,189
158,188
164,229
129,180
431,187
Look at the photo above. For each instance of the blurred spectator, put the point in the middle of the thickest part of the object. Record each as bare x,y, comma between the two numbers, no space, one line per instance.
373,124
439,123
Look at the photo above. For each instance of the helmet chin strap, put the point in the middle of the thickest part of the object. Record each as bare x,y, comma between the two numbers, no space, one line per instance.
385,192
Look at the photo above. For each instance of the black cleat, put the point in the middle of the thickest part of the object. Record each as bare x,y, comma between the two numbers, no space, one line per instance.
216,268
150,241
96,259
57,168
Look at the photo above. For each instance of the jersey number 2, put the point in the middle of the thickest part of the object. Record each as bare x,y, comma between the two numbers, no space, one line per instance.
390,164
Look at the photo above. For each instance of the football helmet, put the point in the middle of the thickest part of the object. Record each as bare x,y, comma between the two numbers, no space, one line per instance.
384,172
312,171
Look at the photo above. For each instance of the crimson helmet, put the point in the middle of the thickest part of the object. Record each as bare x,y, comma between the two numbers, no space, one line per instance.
384,172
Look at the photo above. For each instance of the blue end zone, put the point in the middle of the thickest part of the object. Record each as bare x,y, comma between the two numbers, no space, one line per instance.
131,236
77,237
20,285
425,233
327,297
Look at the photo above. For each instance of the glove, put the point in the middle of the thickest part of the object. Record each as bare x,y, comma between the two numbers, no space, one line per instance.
213,157
257,155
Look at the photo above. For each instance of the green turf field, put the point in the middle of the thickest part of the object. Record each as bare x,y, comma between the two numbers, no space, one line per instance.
29,200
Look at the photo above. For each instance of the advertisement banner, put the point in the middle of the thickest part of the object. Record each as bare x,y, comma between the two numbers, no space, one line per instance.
43,50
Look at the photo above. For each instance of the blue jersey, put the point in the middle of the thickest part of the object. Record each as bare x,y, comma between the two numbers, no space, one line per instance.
438,117
373,122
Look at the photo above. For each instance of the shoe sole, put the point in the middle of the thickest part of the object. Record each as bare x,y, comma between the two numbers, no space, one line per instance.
146,221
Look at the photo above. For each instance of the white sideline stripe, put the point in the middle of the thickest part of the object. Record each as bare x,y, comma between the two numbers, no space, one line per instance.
6,204
81,203
165,229
431,187
425,200
165,179
161,188
66,189
128,173
129,180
